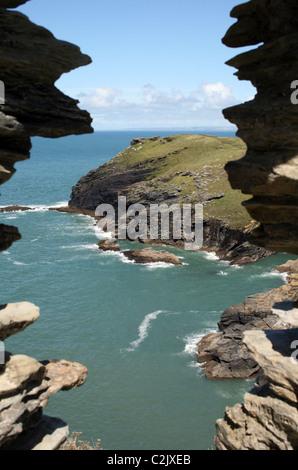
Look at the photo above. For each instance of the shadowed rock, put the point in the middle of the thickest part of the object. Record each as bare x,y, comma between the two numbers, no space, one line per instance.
268,123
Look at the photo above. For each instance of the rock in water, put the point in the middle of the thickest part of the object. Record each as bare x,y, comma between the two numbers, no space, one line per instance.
109,244
148,255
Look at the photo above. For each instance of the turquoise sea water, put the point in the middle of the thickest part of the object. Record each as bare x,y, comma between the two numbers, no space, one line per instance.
134,327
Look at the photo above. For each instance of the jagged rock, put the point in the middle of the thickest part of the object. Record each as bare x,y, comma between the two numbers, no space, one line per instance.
109,244
224,355
12,3
14,209
8,235
268,418
14,318
50,434
151,179
31,61
25,388
231,244
141,140
149,255
268,124
64,375
290,267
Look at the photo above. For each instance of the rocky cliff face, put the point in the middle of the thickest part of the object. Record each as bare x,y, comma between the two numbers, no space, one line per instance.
267,419
31,60
183,169
224,355
268,124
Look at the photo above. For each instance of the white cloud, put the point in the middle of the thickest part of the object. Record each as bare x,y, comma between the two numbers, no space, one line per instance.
150,106
102,98
217,95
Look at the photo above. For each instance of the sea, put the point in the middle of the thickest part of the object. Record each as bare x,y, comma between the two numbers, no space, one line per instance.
135,327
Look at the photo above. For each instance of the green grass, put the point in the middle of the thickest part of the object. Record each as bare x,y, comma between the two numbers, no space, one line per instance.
201,154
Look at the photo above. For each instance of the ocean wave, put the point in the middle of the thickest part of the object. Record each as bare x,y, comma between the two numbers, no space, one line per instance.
144,329
191,341
79,247
38,207
211,255
158,264
269,274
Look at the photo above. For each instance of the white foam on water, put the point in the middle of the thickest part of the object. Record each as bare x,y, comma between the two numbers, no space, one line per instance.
269,274
191,341
158,264
80,247
211,255
144,329
222,273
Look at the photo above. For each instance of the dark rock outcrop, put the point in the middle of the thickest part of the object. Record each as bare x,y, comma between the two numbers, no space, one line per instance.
268,124
231,244
267,419
224,355
145,174
108,244
31,61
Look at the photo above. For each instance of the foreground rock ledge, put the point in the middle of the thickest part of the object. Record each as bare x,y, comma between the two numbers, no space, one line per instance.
224,355
268,418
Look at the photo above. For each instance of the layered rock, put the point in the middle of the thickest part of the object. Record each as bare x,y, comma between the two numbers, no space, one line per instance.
268,124
268,418
184,169
26,385
31,61
109,244
224,355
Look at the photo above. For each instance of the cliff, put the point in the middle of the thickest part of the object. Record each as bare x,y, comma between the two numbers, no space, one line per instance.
178,169
267,419
224,355
31,60
267,124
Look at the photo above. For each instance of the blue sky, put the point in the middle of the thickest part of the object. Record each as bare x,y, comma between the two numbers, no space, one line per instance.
156,64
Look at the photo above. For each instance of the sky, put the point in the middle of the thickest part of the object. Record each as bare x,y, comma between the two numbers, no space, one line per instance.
156,64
